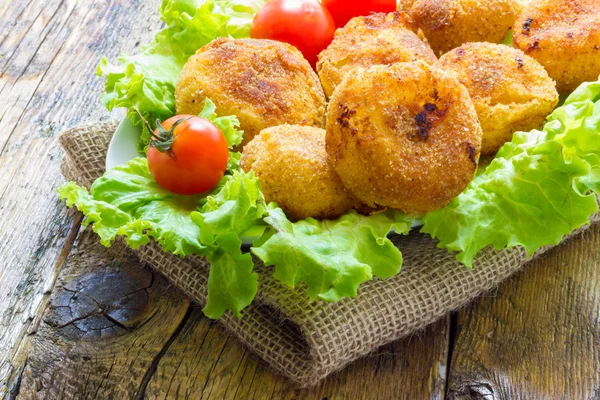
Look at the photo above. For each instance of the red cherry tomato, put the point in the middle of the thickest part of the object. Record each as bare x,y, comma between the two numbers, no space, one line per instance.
197,159
343,11
305,24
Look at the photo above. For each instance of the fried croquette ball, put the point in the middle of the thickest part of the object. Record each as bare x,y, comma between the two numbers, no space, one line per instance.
510,91
449,23
564,36
291,163
365,41
262,82
404,136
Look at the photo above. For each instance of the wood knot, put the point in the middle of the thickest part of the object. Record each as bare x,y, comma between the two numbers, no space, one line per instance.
466,389
104,303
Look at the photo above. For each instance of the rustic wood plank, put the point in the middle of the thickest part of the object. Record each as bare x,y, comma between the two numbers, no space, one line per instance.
108,321
538,337
204,362
48,53
47,57
17,21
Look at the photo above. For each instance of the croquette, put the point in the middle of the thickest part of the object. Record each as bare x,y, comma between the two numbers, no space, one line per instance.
510,91
372,40
404,136
564,36
291,163
263,82
450,23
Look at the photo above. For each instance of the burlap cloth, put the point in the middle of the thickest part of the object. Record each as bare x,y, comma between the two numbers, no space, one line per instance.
307,340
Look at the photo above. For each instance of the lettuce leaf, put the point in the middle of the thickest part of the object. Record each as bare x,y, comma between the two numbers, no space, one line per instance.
231,283
127,202
127,86
146,81
228,125
236,207
241,13
539,188
332,257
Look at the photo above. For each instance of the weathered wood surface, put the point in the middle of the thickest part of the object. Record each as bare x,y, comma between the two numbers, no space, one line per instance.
107,322
59,338
205,363
77,321
48,53
538,337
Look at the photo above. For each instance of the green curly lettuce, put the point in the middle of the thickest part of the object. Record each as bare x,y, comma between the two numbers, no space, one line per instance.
241,14
238,206
333,258
539,188
127,202
229,125
146,81
232,284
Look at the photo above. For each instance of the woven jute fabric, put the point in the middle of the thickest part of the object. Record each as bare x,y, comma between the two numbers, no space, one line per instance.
307,340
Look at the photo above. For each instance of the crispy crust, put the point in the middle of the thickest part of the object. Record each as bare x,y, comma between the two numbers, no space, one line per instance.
510,91
449,23
404,136
564,36
263,82
405,5
291,163
365,41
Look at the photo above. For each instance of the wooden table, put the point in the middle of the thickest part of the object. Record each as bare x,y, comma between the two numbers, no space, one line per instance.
77,321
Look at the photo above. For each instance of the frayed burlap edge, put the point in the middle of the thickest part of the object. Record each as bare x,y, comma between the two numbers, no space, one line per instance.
308,340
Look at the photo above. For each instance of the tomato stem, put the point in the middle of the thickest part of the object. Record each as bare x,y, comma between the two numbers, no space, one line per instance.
161,139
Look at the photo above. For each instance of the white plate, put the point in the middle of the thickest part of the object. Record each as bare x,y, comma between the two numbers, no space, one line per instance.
123,148
123,145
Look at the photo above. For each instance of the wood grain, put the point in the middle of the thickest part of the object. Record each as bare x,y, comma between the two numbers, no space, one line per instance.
204,362
48,53
538,337
108,320
56,89
113,330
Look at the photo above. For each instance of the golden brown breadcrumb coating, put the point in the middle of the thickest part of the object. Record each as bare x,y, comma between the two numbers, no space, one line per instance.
291,163
564,36
510,91
262,82
372,40
405,5
449,23
404,136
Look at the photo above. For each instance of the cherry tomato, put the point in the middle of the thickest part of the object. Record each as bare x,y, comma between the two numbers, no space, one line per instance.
343,11
305,24
196,160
